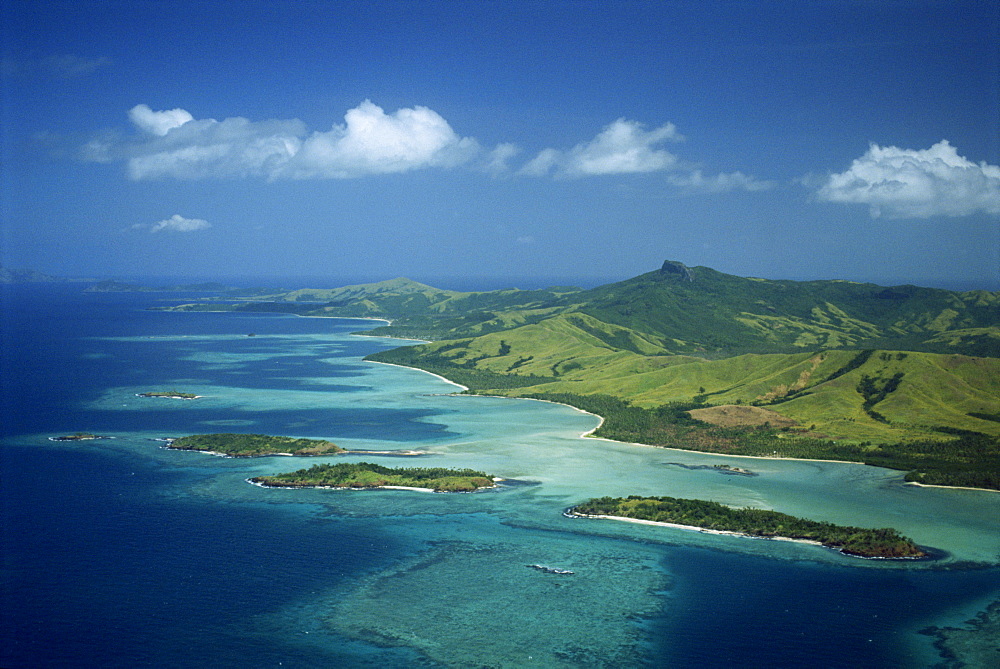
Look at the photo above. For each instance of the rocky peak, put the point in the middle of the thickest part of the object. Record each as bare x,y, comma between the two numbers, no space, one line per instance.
675,267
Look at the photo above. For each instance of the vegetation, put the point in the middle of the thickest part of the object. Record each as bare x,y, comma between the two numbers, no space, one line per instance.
881,543
368,475
904,377
172,394
78,436
250,445
962,459
699,312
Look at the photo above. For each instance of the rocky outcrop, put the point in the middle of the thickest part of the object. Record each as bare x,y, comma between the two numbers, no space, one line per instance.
674,267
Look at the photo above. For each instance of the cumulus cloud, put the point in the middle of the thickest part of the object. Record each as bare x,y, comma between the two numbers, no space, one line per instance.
175,223
158,122
174,144
908,183
373,142
623,147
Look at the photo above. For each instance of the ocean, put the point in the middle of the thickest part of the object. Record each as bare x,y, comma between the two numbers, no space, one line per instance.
121,553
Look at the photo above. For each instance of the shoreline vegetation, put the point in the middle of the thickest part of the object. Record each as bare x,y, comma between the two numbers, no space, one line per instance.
252,445
366,475
960,459
715,518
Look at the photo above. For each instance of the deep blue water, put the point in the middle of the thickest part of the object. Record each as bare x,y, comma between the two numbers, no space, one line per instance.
108,561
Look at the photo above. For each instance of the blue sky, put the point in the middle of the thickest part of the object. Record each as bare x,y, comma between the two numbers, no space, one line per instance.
474,140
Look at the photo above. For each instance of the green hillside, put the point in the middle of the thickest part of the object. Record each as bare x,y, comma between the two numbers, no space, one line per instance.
833,369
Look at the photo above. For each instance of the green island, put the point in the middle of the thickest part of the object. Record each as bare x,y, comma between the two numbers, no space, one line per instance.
172,394
251,445
78,436
903,377
715,517
368,475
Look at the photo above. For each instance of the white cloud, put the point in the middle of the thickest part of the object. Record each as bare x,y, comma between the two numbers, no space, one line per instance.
158,122
373,142
623,147
176,145
200,149
173,144
497,160
907,183
175,223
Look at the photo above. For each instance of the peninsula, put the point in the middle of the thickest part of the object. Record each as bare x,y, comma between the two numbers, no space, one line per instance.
252,445
708,516
364,475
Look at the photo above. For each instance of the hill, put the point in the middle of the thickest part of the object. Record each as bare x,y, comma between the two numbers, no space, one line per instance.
835,369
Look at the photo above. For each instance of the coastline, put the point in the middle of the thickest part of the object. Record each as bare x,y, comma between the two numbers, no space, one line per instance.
949,487
371,487
589,433
693,528
392,364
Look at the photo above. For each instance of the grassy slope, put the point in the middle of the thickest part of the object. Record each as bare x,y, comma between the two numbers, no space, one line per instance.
660,338
719,314
936,390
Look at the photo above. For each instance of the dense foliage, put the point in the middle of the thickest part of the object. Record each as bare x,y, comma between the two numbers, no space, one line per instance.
368,475
883,543
247,445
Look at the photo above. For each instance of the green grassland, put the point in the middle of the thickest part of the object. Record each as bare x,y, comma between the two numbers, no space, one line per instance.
368,475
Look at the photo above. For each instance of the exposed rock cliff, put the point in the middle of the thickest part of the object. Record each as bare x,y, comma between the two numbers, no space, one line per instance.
674,267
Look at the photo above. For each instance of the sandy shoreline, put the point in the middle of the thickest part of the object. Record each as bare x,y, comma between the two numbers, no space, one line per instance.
392,364
693,528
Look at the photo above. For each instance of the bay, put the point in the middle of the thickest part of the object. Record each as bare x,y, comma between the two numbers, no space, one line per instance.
118,552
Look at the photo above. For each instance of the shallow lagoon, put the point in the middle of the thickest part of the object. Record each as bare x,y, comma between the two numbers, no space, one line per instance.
397,578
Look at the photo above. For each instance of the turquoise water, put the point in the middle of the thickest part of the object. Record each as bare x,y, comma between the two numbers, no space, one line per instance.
121,553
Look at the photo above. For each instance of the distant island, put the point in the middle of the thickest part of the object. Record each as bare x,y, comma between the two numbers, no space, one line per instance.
714,517
173,394
252,445
79,436
8,275
111,286
367,475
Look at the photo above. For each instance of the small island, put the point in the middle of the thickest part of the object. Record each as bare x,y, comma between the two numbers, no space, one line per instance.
173,395
79,436
252,445
363,475
708,516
